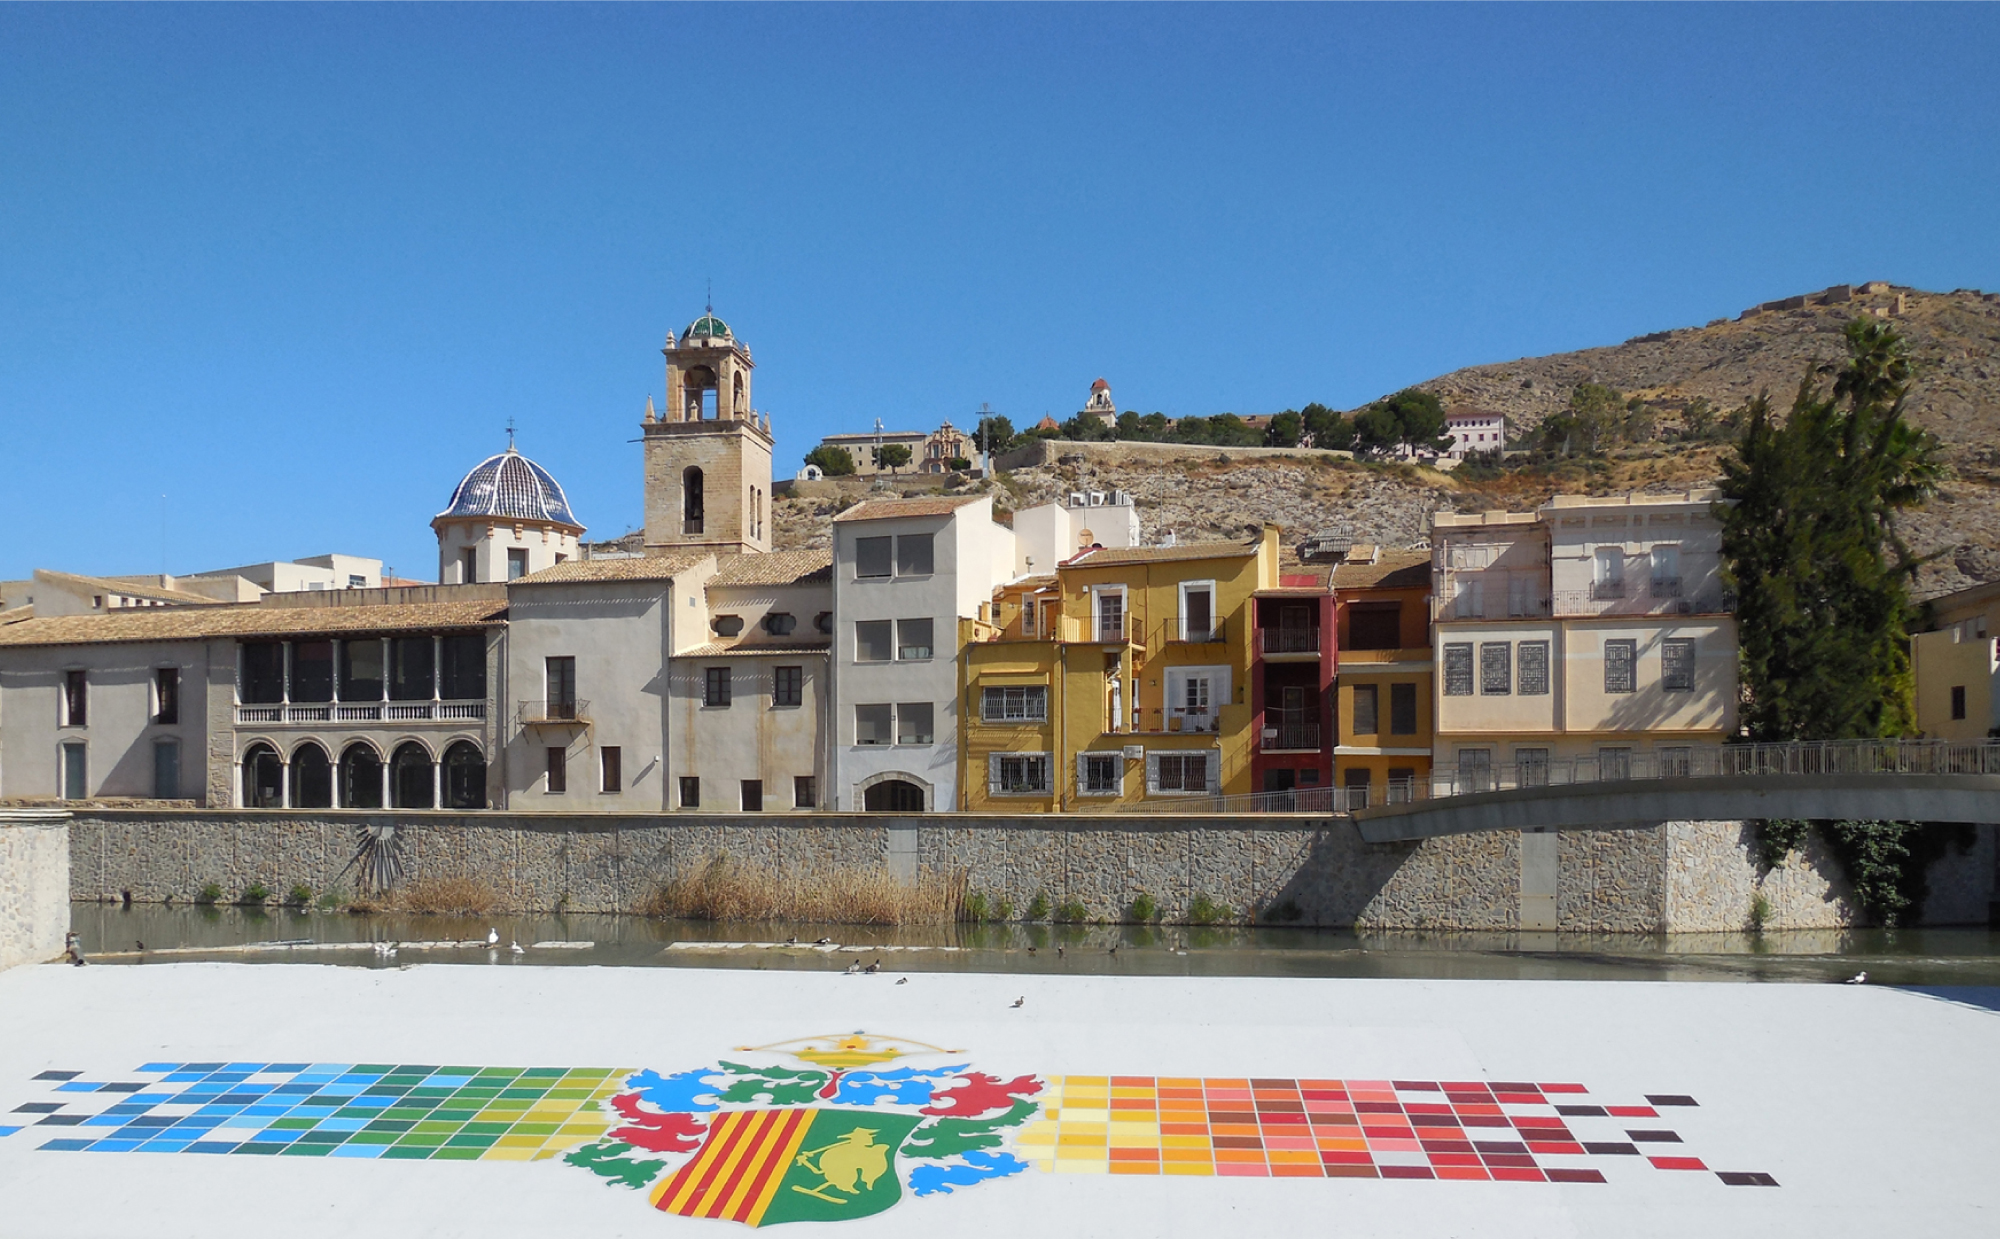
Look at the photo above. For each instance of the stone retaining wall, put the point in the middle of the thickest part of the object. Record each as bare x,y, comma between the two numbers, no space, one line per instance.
1675,877
34,885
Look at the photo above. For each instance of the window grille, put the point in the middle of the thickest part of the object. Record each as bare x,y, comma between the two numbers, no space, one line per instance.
1534,668
1100,774
1017,774
1496,668
1619,660
1677,665
1023,704
1458,669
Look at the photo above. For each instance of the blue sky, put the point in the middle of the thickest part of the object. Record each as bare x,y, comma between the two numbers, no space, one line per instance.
295,267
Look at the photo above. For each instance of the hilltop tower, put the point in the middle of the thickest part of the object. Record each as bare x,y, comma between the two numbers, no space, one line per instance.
708,458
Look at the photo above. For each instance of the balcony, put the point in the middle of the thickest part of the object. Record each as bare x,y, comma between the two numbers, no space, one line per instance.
307,712
1604,591
1289,639
1289,737
1665,587
1106,629
559,713
1180,720
1202,630
1661,597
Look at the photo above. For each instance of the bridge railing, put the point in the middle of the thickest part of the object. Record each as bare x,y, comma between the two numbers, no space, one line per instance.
1810,757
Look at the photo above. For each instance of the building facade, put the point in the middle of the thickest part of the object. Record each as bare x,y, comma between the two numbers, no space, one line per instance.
1384,710
1956,666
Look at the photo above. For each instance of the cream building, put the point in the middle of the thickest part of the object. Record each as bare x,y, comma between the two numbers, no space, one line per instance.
1957,666
1590,638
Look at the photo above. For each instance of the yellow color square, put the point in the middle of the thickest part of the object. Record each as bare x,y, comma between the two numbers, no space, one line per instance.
1097,1082
1039,1134
1184,1142
522,1142
499,1154
1133,1133
1132,1093
1070,1166
1187,1168
1080,1114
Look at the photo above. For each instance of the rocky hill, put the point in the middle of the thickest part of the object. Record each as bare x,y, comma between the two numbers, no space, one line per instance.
1202,494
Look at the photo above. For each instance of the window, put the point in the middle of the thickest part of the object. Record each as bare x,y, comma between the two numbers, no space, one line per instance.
1375,626
780,623
1198,611
872,641
1024,704
75,774
462,676
263,677
753,795
1183,773
1531,767
1402,787
412,669
913,722
312,671
1958,701
468,571
823,622
1100,774
1666,581
913,554
1619,659
356,581
361,671
1471,600
871,557
1017,774
312,779
464,777
1534,659
1676,762
1367,701
727,625
1402,709
1109,606
691,496
517,562
913,639
1519,591
1677,665
805,792
1607,578
559,680
610,768
690,792
1458,669
1195,697
1614,763
1496,668
167,769
787,686
167,695
360,778
874,724
715,687
1355,784
558,769
1475,770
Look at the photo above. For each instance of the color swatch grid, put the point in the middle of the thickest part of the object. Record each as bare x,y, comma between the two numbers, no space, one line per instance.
1389,1129
326,1110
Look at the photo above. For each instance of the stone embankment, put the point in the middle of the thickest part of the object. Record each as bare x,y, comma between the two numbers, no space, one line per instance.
1673,877
34,885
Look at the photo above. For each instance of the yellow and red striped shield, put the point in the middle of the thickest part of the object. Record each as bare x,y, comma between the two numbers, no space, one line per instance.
763,1167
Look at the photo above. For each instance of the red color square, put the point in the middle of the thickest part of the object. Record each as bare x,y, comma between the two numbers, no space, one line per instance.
1131,1081
1252,1170
1554,1146
1632,1112
1564,1088
1677,1163
1516,1174
1461,1172
1351,1172
1518,1099
1483,1120
1453,1159
1574,1176
1335,1157
1407,1172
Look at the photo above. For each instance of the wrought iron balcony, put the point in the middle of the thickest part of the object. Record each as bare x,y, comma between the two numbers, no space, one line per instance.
558,713
1290,639
1289,737
1604,590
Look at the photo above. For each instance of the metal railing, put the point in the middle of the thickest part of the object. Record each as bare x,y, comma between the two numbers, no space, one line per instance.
1805,757
359,711
537,713
1289,639
1195,631
1289,737
1667,599
1178,720
1601,590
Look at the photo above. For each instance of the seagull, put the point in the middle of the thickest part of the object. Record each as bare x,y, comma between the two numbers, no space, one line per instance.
822,942
1859,978
854,968
902,980
792,941
515,946
1018,1001
493,937
1061,951
873,968
1114,949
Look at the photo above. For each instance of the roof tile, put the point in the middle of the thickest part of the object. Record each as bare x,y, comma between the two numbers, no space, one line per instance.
249,620
637,568
924,505
774,568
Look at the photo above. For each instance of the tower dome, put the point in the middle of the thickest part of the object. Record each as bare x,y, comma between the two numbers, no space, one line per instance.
708,329
510,487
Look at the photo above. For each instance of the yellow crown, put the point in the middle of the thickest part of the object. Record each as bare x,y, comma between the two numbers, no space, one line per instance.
844,1051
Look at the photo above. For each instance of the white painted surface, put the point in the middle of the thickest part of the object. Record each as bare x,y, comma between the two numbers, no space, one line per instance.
1792,1080
34,886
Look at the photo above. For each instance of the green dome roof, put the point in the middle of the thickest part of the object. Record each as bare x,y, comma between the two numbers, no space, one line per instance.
707,326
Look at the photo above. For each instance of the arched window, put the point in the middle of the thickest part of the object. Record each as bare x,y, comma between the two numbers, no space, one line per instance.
464,776
410,778
360,778
736,406
312,778
691,500
263,778
894,796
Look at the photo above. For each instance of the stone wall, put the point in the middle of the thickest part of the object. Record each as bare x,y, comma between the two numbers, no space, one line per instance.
1675,877
34,885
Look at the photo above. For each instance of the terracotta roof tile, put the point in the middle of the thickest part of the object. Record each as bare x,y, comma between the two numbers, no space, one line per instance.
1110,556
774,568
639,568
249,620
1391,570
924,505
131,589
736,649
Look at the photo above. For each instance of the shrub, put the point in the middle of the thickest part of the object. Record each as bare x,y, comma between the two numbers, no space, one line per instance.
1072,912
1760,912
1778,838
726,890
211,894
974,909
1144,908
1205,911
1038,907
254,895
299,896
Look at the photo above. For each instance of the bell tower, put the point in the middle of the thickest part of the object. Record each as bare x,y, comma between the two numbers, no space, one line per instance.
708,453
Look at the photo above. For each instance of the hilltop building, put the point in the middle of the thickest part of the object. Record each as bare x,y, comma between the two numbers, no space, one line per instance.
1100,404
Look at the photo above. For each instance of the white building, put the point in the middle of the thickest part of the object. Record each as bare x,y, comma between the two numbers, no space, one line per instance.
1474,430
1050,533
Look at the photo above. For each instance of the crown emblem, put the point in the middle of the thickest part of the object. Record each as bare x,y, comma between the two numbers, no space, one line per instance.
846,1051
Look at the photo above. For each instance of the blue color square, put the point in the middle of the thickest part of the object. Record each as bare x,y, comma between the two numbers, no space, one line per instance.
228,1077
130,1108
58,1075
106,1120
359,1150
125,1086
67,1146
307,1089
115,1146
259,1146
241,1097
288,1068
277,1135
8,1131
193,1124
185,1077
247,1068
339,1124
201,1066
78,1086
212,1146
268,1111
159,1067
150,1098
219,1111
153,1120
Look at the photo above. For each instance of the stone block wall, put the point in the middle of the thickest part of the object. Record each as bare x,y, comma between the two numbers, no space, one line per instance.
34,885
1674,877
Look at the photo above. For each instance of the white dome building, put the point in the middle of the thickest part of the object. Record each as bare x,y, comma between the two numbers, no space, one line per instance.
508,517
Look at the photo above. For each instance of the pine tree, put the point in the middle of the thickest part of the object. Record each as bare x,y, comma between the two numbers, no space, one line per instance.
1821,576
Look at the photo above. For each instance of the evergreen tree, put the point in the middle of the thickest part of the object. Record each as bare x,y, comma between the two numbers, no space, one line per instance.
1821,576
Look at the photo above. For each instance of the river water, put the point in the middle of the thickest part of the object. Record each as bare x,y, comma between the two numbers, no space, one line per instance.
141,934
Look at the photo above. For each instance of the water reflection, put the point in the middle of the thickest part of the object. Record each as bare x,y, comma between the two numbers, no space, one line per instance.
1950,957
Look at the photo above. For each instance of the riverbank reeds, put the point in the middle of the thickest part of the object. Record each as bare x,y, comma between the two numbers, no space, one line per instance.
723,889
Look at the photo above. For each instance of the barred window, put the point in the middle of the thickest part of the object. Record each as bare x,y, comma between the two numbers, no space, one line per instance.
1458,669
1179,772
1023,704
1496,668
1534,658
1100,774
1677,665
1017,774
1619,660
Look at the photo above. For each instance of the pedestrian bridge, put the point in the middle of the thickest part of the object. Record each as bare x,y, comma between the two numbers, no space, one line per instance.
1899,780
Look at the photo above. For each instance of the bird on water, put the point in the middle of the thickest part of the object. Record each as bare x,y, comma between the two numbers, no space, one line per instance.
1022,999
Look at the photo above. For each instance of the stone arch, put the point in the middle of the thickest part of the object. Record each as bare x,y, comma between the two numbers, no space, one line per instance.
263,777
312,776
464,776
360,781
412,777
693,500
894,791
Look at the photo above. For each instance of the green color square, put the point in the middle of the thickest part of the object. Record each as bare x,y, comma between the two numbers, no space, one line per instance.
303,1149
522,1094
373,1069
458,1155
592,1073
259,1149
455,1116
424,1138
412,1113
569,1094
536,1129
324,1137
296,1124
405,1153
457,1071
390,1125
357,1112
433,1092
472,1142
487,1129
507,1073
433,1128
376,1137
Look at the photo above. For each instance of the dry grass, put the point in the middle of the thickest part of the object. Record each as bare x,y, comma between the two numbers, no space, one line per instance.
445,897
726,890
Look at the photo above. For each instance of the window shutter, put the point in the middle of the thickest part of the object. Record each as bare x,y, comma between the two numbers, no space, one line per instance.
1152,773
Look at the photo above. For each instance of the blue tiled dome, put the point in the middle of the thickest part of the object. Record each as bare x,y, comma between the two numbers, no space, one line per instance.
509,486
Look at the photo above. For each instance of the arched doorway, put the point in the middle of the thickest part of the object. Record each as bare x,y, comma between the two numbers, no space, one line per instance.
464,776
411,782
360,778
893,796
312,778
263,778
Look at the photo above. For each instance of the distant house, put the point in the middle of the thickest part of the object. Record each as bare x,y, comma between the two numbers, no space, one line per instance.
1474,430
930,452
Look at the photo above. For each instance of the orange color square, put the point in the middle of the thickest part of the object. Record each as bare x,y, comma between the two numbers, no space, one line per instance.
1239,1155
1461,1172
1213,1084
1314,1171
1128,1153
1323,1084
1182,1082
1184,1129
1292,1157
1135,1168
1186,1155
1340,1142
1131,1081
1235,1129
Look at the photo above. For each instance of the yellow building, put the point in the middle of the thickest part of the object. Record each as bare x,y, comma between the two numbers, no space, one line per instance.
1382,602
1123,676
1957,666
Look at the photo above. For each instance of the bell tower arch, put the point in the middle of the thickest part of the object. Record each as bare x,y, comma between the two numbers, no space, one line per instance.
708,457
